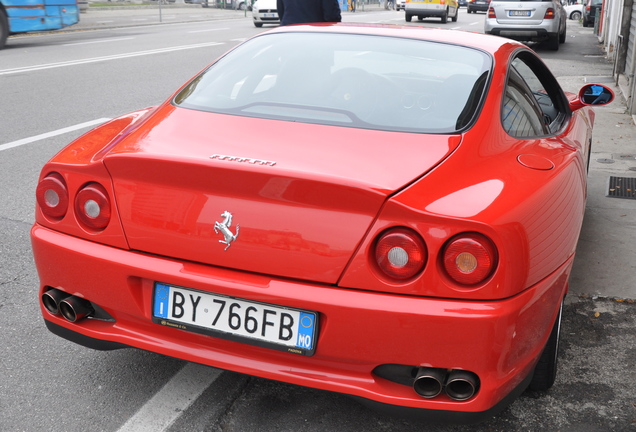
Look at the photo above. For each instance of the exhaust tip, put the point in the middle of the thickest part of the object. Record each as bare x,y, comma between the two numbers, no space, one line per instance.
51,300
461,385
429,382
75,308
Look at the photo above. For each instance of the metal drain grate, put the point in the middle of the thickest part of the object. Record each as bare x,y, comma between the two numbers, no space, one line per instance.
622,187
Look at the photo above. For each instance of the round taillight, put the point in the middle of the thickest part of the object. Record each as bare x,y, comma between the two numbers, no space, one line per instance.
470,258
92,207
52,196
400,253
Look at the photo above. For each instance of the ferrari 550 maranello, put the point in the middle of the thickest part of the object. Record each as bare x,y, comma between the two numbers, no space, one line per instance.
385,212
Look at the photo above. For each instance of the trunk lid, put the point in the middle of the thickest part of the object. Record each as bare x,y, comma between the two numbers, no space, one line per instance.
274,197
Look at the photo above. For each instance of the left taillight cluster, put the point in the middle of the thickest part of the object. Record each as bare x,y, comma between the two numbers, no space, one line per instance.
400,253
468,259
91,205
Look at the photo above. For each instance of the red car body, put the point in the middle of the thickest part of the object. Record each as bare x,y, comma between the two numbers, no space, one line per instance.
310,202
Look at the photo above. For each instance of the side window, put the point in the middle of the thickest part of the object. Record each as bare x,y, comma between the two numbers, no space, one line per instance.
533,103
519,117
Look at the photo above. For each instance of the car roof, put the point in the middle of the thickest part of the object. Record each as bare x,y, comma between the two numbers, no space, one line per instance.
487,43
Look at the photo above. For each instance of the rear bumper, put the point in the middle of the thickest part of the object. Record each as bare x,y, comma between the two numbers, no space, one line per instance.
499,341
478,8
538,33
424,12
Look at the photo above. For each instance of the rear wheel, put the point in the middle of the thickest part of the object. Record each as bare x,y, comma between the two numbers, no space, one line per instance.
4,29
553,43
258,24
545,371
563,35
454,19
407,17
445,17
576,15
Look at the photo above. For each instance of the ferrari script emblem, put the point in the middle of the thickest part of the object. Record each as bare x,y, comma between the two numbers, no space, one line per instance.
224,228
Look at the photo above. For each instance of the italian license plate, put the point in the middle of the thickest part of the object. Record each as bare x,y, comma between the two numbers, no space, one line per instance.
270,15
519,13
262,324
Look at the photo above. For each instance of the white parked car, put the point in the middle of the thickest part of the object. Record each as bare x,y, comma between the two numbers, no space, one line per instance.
574,12
399,5
265,12
528,20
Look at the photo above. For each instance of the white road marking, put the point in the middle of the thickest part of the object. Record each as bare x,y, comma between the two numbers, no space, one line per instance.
105,58
161,411
207,30
52,134
98,41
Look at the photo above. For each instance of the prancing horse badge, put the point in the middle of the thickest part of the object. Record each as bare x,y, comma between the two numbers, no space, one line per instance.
224,228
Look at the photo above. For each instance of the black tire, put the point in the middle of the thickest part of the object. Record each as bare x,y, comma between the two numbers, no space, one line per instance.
545,371
553,43
445,17
563,35
576,15
589,156
4,29
258,24
454,19
408,17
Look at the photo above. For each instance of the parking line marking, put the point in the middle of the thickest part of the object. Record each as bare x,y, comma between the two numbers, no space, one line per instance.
165,407
105,58
98,41
52,133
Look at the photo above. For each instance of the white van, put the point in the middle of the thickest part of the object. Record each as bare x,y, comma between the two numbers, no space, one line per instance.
265,12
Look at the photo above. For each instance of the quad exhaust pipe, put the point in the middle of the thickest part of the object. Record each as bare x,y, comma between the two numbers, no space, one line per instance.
461,385
458,385
72,308
429,382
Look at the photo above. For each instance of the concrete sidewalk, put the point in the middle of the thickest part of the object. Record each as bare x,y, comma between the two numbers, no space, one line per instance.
605,263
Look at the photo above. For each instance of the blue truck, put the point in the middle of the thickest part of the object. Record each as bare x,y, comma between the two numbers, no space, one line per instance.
22,16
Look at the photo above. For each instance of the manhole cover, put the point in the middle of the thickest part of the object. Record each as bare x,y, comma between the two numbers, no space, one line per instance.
622,187
605,161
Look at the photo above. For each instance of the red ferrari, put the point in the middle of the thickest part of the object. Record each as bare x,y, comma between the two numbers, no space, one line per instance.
385,212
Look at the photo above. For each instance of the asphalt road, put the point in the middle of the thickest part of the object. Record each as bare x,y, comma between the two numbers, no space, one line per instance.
52,86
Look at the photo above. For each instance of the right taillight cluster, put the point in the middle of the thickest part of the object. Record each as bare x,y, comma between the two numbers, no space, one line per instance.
468,259
91,204
549,14
491,12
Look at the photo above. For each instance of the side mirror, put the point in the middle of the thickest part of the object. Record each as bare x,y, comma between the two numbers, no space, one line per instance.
592,95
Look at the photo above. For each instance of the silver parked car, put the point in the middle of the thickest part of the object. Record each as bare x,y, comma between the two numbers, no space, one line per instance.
528,20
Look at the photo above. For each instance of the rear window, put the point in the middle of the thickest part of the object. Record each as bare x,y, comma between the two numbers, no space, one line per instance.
372,82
